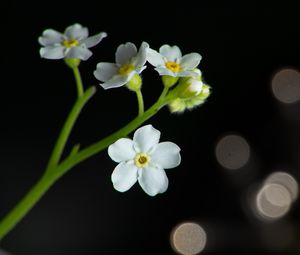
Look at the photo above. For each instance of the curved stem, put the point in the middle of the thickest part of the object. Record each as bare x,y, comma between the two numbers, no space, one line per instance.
140,101
78,81
66,130
163,94
95,148
54,171
22,208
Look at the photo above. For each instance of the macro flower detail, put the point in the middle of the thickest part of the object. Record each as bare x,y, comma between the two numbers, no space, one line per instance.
129,61
169,61
143,160
73,43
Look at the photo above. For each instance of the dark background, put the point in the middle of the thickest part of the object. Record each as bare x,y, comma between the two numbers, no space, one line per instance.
242,45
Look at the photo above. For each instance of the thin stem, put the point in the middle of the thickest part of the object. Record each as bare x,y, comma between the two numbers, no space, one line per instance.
95,148
66,130
140,101
54,172
36,192
78,81
163,94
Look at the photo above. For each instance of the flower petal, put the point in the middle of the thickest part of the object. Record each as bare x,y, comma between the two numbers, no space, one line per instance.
187,73
105,71
125,52
140,59
145,138
165,71
76,31
93,40
56,52
121,150
50,37
170,53
154,58
153,180
166,155
124,176
115,82
79,52
190,61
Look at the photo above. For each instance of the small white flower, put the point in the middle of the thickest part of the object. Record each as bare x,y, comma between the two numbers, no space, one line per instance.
143,159
129,62
169,61
73,43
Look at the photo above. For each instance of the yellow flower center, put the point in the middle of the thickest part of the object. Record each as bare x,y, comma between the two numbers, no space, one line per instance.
126,69
173,66
70,43
141,160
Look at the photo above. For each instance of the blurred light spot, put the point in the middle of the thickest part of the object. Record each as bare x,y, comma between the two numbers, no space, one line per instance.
232,152
273,201
286,85
188,238
285,180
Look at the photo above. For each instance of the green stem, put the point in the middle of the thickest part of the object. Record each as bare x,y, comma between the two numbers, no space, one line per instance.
95,148
66,130
78,81
36,192
140,101
163,94
56,171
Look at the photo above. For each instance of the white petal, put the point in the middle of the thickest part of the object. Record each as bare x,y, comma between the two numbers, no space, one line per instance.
76,31
166,155
154,58
165,71
105,71
145,138
79,52
187,73
170,53
93,40
153,180
56,52
115,82
124,176
122,150
50,37
190,61
125,52
140,59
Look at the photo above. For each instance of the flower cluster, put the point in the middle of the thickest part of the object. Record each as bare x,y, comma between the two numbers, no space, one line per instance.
142,159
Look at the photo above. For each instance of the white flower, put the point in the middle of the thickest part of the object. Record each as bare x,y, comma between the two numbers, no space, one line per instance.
143,159
169,61
129,62
73,43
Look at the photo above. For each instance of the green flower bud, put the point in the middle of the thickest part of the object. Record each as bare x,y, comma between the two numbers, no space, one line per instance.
135,83
179,105
72,62
169,81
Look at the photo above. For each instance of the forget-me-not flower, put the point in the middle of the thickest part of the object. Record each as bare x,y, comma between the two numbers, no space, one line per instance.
129,61
73,43
143,160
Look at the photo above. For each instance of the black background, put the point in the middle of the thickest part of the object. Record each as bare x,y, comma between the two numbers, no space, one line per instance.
242,45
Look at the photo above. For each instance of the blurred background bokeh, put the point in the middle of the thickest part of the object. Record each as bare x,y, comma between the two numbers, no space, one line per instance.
236,190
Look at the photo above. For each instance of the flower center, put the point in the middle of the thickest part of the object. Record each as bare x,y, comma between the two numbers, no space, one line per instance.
141,160
126,69
70,43
173,66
